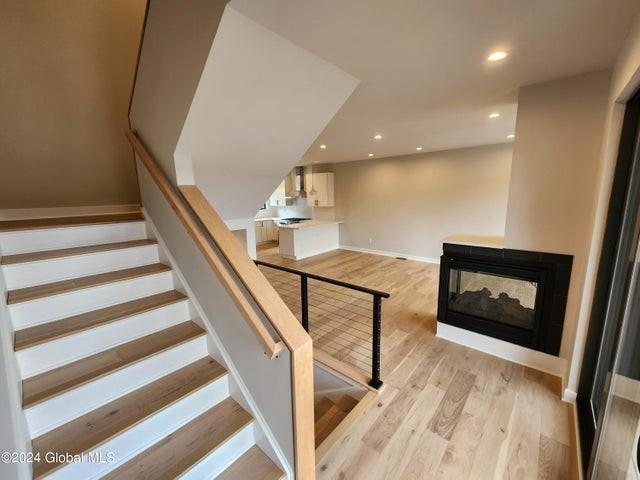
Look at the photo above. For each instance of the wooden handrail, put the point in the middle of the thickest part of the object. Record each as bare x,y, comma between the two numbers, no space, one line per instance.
281,317
196,214
271,347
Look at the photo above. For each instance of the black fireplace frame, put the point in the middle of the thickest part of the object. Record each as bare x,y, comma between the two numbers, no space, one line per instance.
551,271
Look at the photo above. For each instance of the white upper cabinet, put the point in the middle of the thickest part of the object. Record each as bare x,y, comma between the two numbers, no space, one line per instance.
278,198
319,188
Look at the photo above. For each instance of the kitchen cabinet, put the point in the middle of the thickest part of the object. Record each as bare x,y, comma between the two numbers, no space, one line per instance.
278,198
259,232
266,230
322,183
272,231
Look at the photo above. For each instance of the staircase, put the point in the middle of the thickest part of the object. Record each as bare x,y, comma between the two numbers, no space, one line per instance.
329,413
114,366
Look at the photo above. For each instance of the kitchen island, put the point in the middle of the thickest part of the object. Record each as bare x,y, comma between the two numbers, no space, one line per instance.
308,238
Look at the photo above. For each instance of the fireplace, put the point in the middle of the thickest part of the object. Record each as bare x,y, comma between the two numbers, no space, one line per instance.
513,295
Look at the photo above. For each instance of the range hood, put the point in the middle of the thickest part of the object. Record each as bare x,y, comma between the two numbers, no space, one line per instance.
294,184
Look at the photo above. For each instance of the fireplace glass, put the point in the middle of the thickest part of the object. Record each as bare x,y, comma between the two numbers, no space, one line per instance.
499,298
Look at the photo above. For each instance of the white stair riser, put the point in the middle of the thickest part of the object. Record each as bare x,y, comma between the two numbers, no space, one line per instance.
63,408
47,309
25,241
144,434
64,350
46,271
219,459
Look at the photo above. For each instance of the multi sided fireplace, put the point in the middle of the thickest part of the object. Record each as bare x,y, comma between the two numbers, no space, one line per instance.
513,295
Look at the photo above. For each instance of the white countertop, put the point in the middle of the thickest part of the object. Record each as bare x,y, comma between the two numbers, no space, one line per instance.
492,241
264,219
309,224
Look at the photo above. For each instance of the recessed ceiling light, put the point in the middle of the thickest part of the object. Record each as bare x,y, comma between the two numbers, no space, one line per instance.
378,136
418,148
511,136
494,115
323,146
497,56
371,154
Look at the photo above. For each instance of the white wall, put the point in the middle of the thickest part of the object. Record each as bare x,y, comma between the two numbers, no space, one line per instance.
14,435
625,80
407,205
261,375
298,209
260,103
553,177
177,40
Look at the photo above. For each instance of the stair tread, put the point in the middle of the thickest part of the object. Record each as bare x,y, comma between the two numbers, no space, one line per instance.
99,425
335,418
31,293
253,464
31,336
73,251
321,407
59,380
325,419
58,222
185,447
347,402
332,418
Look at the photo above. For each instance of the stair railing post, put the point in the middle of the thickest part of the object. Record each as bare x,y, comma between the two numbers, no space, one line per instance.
304,302
377,332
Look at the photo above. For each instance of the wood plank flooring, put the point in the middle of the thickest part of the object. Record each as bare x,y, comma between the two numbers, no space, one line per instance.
446,411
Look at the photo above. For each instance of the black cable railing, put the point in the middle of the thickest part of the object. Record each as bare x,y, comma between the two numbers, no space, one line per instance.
346,318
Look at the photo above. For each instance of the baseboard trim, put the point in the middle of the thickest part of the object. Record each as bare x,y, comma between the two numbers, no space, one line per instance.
53,212
575,455
635,466
387,253
569,396
515,353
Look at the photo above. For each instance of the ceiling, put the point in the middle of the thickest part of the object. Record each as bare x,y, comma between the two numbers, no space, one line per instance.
425,80
228,135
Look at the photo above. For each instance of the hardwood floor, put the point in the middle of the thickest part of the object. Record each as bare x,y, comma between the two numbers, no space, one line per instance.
445,411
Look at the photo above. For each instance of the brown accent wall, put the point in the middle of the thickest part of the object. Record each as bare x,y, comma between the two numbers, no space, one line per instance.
65,81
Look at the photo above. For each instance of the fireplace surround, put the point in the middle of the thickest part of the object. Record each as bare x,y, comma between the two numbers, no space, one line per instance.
513,295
